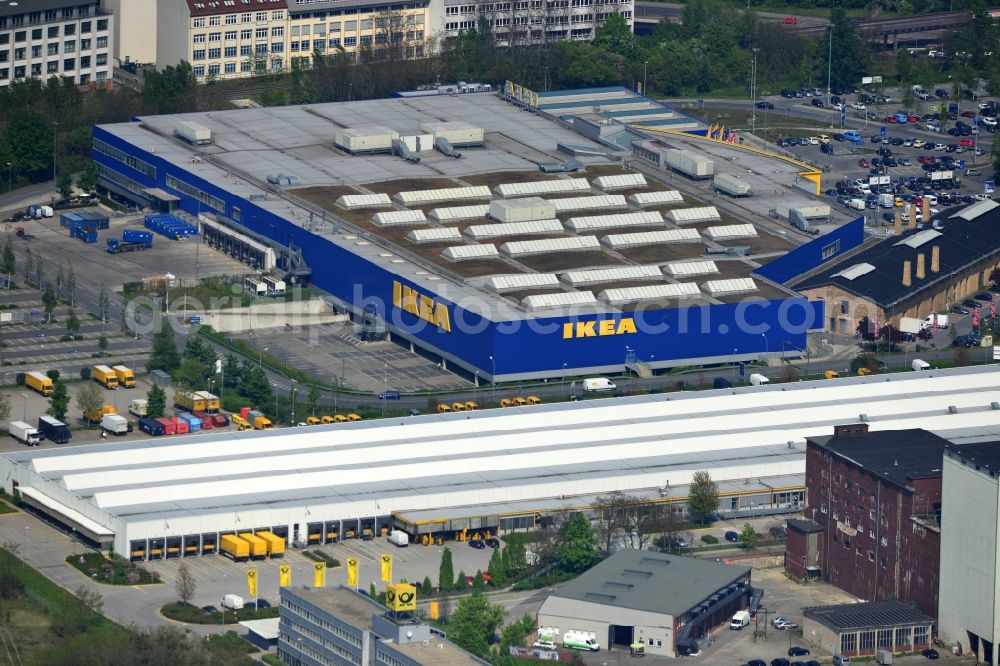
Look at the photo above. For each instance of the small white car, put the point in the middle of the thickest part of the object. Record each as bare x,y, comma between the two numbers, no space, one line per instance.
814,141
858,106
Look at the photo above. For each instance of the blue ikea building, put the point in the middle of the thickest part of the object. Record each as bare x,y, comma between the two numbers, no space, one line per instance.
468,327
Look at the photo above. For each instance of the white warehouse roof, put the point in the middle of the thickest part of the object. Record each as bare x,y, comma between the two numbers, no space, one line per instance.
217,482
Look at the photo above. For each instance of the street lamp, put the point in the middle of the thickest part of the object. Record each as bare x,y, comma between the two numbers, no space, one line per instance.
766,350
260,357
645,66
293,400
55,128
545,81
829,67
24,407
10,177
753,93
493,380
734,365
564,381
385,384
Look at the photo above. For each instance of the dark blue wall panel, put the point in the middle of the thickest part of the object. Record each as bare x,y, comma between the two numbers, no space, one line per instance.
517,346
807,257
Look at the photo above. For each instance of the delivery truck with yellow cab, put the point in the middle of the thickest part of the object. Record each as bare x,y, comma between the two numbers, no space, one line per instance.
104,376
126,377
39,382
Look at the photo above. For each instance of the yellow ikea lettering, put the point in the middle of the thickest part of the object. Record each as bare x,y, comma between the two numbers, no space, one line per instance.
412,301
589,329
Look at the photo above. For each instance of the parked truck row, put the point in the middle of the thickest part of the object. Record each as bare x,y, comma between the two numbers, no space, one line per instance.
48,428
257,545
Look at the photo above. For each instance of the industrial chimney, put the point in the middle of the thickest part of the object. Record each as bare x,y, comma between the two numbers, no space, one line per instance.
921,274
906,274
936,259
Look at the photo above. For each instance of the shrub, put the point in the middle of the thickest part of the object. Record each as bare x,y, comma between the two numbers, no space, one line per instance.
19,378
53,374
85,372
708,538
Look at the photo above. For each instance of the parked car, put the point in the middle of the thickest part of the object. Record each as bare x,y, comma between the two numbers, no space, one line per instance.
765,105
930,653
493,542
779,661
790,20
732,537
477,544
941,93
985,296
680,542
969,303
958,309
796,651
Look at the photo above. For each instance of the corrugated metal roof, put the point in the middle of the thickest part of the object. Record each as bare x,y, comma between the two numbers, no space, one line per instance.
733,286
731,231
552,186
444,194
919,238
588,222
650,292
688,215
867,615
501,229
434,235
459,213
518,281
677,268
568,244
559,300
364,200
655,198
855,271
976,209
589,203
394,217
462,252
620,182
652,238
577,278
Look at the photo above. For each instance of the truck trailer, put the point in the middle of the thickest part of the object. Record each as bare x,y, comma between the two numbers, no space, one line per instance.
39,382
191,401
275,544
258,546
53,429
234,547
24,433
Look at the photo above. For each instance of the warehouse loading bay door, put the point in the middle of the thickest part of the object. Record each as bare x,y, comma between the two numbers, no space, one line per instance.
621,635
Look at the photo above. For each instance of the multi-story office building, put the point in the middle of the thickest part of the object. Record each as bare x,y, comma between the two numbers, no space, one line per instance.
46,38
529,21
231,38
341,627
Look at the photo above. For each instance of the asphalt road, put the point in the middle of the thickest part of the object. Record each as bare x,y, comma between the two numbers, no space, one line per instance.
657,11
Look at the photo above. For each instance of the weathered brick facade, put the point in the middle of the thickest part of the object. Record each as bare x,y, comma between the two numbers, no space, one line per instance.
880,539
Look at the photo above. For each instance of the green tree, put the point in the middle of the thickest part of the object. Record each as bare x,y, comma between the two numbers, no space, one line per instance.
703,497
461,580
256,387
28,137
156,401
849,57
231,373
164,355
615,36
102,302
516,633
102,343
29,265
446,572
59,402
64,185
427,588
89,398
4,407
171,89
72,322
474,623
49,301
39,272
60,279
498,567
578,549
8,265
904,65
479,581
87,180
71,286
191,375
313,399
748,536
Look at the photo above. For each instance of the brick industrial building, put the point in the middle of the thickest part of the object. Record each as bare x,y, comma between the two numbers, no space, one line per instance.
873,502
911,274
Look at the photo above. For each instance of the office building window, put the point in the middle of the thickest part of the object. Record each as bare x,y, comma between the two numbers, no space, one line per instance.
102,59
36,33
198,23
69,47
215,36
53,32
213,70
278,47
246,34
231,19
245,50
69,29
230,35
85,27
84,62
215,20
199,70
52,67
36,69
53,49
102,24
198,54
102,42
215,53
230,51
230,68
199,38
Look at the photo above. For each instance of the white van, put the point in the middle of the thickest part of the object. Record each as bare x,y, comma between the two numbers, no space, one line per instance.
759,380
598,384
580,640
920,364
740,620
399,538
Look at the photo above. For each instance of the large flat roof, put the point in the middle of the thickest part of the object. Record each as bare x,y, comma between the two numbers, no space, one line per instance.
653,582
895,455
866,615
538,454
345,604
250,145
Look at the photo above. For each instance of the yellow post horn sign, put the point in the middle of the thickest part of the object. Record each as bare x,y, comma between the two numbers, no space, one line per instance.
401,597
319,574
352,571
386,568
285,575
252,581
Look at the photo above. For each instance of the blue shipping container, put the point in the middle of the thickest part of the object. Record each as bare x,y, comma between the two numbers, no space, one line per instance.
66,219
138,236
194,423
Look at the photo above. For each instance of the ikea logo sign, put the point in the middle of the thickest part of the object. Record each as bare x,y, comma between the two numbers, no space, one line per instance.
590,329
412,301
